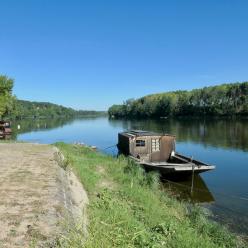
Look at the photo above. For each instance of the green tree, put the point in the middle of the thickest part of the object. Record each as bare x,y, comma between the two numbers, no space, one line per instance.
221,100
6,98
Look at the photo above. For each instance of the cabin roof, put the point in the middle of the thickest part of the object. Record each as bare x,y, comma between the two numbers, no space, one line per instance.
138,133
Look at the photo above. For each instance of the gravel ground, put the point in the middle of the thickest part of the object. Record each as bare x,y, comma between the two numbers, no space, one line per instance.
36,195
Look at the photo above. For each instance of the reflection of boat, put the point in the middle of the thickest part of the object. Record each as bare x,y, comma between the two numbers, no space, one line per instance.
157,152
5,129
199,193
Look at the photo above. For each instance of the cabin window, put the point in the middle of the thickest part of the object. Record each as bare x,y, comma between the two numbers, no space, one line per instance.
155,145
140,143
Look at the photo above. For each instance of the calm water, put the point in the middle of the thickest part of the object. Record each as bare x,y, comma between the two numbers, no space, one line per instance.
223,143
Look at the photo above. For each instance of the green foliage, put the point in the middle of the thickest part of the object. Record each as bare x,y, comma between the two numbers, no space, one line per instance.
6,98
37,110
127,209
117,111
226,99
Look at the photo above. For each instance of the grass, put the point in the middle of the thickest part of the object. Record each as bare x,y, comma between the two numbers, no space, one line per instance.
133,211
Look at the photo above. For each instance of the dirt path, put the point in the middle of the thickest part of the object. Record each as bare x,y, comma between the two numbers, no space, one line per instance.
35,195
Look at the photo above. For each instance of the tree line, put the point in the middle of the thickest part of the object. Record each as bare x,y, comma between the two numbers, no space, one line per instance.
221,100
10,107
37,110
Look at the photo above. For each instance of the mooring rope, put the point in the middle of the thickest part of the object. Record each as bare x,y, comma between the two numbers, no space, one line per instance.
108,147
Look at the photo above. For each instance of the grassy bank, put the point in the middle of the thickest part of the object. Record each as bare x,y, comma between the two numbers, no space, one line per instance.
127,209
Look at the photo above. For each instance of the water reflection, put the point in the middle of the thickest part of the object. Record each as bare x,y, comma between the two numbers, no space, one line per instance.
32,125
183,189
225,133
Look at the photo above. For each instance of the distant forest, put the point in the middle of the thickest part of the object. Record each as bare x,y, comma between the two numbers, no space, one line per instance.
10,107
221,100
26,109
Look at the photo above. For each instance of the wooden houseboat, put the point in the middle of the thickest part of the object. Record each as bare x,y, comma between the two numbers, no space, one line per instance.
158,152
5,128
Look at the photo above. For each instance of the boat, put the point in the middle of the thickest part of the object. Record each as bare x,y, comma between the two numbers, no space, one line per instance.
157,152
5,129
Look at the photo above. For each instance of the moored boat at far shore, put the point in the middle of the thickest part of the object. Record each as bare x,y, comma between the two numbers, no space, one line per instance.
5,129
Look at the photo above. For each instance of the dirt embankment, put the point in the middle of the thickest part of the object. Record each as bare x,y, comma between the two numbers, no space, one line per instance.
37,196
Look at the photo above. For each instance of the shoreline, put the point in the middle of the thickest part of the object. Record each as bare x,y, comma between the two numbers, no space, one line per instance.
129,209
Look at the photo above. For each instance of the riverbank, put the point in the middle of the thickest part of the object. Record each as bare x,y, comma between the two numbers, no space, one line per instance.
37,196
127,209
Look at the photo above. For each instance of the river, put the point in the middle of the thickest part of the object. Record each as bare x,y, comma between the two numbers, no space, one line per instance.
223,143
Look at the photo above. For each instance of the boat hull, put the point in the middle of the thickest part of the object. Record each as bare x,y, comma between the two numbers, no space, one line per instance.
179,165
176,170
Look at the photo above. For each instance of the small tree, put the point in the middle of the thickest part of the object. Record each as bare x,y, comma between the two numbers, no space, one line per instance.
6,98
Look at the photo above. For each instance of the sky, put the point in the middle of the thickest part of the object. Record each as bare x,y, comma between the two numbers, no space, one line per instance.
92,54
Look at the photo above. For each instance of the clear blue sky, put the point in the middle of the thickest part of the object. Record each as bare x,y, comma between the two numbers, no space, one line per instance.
91,54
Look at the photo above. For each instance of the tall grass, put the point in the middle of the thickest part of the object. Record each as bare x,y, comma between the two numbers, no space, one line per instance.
127,208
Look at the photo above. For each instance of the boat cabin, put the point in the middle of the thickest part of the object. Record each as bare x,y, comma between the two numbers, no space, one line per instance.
157,152
146,146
